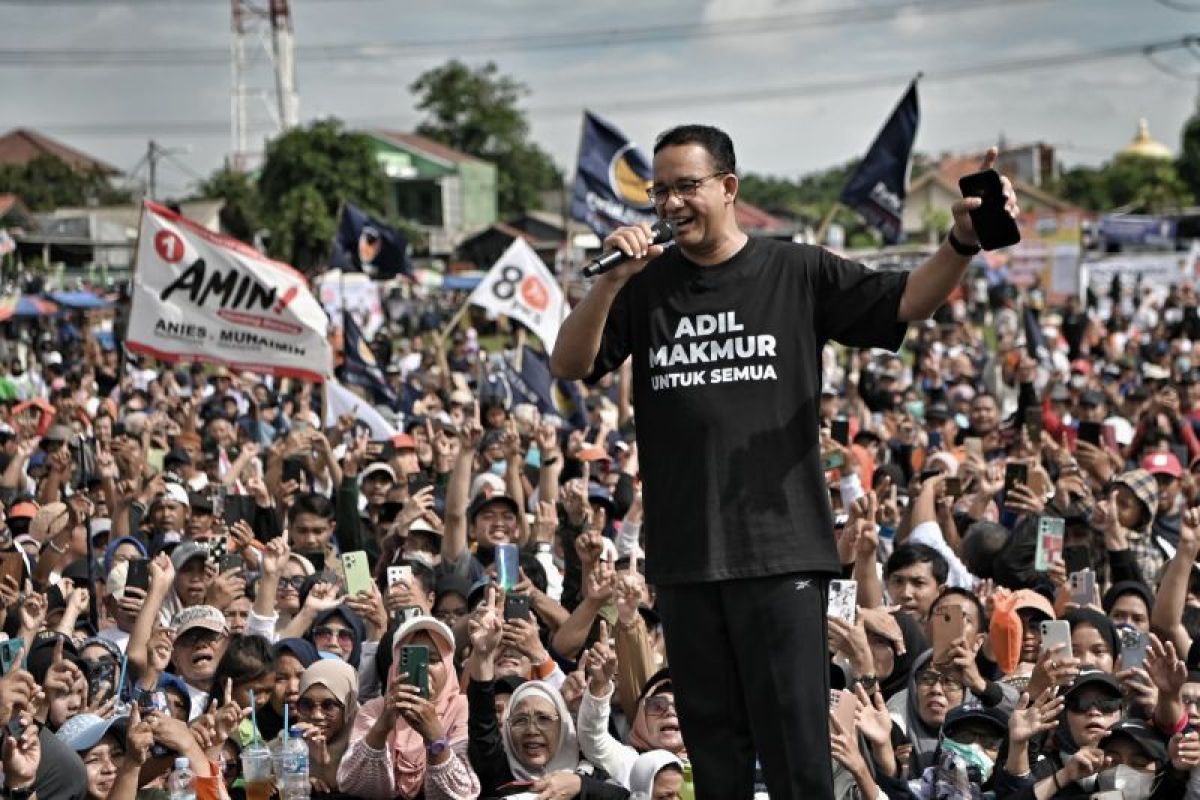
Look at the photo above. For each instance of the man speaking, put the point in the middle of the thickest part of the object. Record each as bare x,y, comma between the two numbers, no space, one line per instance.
726,334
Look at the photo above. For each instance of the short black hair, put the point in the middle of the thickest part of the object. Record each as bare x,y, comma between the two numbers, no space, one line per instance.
980,611
311,503
980,546
714,140
906,555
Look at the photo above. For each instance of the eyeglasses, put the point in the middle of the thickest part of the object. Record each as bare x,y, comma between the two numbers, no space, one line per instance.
682,189
1105,705
524,722
660,705
326,633
295,582
328,706
929,678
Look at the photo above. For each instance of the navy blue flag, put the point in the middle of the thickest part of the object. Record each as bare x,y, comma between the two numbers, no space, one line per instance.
1035,340
878,186
359,366
534,384
364,244
611,179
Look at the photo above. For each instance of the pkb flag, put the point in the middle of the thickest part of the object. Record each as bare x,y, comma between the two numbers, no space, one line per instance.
878,186
611,179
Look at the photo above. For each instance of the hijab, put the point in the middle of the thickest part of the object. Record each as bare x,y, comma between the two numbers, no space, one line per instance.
270,721
645,770
1089,616
351,619
342,682
407,746
639,734
567,755
924,737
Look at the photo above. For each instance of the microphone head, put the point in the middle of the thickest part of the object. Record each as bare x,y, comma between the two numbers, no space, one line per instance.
664,231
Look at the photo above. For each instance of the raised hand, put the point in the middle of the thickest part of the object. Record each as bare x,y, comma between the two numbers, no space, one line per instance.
1029,719
964,229
1164,666
484,626
872,718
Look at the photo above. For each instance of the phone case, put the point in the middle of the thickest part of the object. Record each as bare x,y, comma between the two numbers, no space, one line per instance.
414,660
138,575
508,566
994,226
946,625
1049,542
1133,647
9,649
843,707
843,598
840,431
1083,587
516,606
400,574
1056,632
358,574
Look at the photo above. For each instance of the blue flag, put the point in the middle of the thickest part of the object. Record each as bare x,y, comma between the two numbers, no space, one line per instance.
534,384
878,186
611,179
364,244
359,366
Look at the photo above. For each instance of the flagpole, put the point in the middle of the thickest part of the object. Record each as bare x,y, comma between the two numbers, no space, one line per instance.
823,228
520,354
453,323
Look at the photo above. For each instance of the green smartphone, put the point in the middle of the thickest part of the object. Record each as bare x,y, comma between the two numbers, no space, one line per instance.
414,662
358,573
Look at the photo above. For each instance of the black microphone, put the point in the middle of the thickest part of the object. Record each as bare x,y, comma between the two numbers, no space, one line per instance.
664,231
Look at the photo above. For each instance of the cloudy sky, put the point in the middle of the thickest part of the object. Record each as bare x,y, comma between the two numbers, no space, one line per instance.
800,84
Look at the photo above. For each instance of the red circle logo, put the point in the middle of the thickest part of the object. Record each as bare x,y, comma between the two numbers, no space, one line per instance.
169,246
534,293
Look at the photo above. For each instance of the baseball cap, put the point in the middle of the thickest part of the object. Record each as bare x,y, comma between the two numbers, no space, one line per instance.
1142,735
1091,676
959,715
178,456
186,551
1162,464
84,731
205,617
379,469
592,453
402,441
939,411
176,492
483,499
26,509
1028,598
59,433
1091,398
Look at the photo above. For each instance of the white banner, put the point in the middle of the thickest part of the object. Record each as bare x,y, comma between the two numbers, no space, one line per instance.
201,296
520,287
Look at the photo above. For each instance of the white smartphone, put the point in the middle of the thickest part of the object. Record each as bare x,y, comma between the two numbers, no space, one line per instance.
400,574
1055,633
1083,587
843,600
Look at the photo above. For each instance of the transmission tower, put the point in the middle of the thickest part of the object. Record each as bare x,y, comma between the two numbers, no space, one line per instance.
262,42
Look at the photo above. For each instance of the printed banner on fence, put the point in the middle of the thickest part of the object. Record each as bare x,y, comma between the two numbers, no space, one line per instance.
201,296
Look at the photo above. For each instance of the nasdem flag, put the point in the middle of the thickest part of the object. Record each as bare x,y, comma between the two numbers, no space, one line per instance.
611,179
878,186
358,363
364,244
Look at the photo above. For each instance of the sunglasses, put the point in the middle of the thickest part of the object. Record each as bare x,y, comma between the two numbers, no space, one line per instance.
328,706
1105,705
295,582
659,705
327,633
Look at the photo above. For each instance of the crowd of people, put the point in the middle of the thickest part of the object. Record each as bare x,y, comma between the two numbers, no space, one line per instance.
193,560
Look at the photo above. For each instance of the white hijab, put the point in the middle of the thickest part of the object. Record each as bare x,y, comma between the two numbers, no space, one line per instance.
566,757
646,769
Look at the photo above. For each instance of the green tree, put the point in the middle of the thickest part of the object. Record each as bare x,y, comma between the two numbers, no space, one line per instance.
242,214
476,111
46,183
1134,183
308,173
1188,165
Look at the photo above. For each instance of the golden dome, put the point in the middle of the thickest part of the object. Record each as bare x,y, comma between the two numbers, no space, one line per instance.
1143,146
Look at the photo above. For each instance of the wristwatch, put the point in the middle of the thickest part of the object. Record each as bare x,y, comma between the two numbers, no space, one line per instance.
23,793
963,249
868,682
437,747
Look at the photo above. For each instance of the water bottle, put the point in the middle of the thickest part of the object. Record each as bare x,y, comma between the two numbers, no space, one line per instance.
294,781
182,784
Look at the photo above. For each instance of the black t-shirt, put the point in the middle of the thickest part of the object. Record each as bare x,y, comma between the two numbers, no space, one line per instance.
727,382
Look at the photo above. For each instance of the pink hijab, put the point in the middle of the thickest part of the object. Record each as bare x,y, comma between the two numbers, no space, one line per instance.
407,746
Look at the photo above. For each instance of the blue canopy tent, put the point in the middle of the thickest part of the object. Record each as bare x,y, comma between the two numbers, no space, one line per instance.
79,300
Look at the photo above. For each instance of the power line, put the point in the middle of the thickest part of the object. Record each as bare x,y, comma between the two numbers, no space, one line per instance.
418,48
198,128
